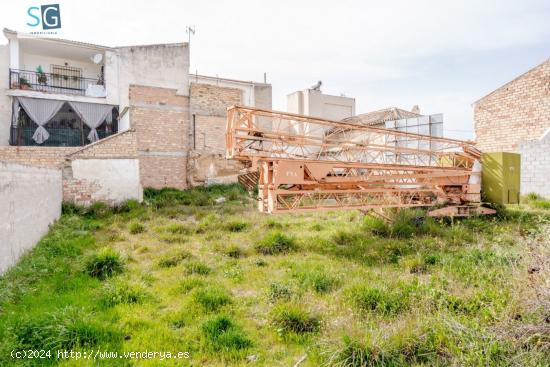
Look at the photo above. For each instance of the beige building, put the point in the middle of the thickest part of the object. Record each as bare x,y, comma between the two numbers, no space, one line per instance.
313,102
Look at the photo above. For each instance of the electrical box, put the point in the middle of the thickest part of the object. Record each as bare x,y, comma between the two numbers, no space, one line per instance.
500,178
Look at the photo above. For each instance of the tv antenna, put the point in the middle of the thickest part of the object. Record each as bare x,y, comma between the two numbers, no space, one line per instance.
190,30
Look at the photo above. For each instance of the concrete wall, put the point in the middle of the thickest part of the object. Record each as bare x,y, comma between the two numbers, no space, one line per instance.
535,166
314,103
514,113
30,198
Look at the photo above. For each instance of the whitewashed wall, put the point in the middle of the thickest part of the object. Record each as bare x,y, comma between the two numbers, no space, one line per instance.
30,200
114,180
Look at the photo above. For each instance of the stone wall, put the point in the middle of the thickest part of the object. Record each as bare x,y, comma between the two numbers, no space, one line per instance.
213,100
160,118
516,112
207,163
535,166
30,198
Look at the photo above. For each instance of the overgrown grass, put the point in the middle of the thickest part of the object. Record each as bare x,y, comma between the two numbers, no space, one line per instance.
234,287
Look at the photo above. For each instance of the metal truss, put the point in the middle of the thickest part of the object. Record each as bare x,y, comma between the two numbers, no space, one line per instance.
307,163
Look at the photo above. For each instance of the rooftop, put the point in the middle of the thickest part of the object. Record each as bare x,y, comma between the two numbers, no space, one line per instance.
381,116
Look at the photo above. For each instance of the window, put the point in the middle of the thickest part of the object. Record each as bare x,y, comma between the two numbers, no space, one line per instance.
66,77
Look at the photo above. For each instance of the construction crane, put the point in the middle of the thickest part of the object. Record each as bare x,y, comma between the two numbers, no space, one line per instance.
306,163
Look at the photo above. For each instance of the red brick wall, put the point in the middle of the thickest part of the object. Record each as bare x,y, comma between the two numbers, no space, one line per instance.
160,119
516,112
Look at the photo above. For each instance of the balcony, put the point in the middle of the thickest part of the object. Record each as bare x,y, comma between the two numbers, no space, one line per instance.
65,129
62,83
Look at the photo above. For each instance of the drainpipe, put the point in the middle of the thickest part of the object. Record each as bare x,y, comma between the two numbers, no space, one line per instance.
194,135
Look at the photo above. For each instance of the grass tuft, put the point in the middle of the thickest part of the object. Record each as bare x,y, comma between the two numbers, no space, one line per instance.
188,284
318,280
274,243
136,228
236,226
196,267
378,300
104,264
222,334
292,318
234,251
122,293
279,291
173,259
211,298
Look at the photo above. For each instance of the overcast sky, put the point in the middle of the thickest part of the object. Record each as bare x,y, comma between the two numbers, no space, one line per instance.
441,55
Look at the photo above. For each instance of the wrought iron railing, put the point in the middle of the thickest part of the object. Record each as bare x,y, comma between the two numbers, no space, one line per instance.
49,82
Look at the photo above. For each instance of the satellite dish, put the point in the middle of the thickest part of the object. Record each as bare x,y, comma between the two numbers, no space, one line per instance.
97,58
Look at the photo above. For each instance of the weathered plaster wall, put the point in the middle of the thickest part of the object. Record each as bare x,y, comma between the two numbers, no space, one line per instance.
107,180
30,200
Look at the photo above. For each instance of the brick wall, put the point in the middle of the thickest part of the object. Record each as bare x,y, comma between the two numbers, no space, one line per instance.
516,112
212,100
160,118
50,157
535,166
210,133
119,145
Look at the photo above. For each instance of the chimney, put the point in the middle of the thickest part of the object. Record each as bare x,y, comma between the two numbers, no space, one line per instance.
415,109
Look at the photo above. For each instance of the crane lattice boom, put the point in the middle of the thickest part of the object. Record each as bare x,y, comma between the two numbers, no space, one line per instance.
307,163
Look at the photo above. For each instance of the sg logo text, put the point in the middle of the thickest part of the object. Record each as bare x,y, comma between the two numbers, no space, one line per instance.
47,15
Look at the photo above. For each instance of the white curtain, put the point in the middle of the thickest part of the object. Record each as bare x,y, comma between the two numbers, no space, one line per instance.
15,113
93,115
40,111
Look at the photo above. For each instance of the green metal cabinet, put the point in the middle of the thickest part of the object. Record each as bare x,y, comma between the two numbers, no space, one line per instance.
500,178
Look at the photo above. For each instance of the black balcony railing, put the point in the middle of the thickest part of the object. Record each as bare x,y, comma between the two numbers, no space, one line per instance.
48,82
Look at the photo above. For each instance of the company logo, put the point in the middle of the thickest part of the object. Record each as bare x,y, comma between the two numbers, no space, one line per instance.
47,16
